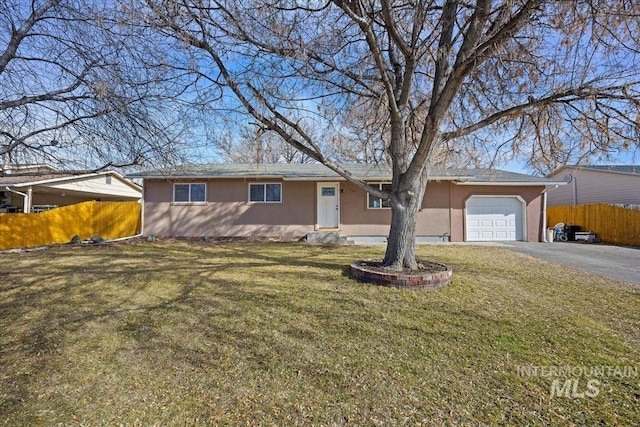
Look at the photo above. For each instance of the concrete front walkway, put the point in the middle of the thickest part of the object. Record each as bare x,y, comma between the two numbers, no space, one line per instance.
617,262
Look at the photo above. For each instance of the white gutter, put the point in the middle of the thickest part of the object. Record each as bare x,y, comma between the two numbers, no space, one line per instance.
512,183
313,178
293,178
26,207
201,177
362,178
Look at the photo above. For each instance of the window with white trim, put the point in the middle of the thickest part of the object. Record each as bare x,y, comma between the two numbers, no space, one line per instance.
265,193
190,193
376,202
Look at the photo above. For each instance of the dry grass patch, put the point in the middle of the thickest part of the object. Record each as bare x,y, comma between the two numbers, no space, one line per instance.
188,333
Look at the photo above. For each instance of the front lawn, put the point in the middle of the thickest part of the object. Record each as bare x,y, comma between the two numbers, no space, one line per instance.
278,334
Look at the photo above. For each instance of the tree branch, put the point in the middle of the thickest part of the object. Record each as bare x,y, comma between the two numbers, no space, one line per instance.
584,92
372,43
18,35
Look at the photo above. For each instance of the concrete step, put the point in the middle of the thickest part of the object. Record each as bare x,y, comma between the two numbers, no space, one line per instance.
368,240
326,237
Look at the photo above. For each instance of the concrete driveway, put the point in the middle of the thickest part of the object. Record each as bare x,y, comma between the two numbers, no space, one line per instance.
616,262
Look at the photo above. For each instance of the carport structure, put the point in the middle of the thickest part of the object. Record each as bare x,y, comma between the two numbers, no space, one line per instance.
38,188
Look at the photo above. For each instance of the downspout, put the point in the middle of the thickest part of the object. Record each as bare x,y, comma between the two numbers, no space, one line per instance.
544,213
142,211
26,204
28,200
574,182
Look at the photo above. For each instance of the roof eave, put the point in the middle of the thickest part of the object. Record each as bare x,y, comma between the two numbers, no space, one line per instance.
512,183
76,177
288,178
313,178
567,168
192,177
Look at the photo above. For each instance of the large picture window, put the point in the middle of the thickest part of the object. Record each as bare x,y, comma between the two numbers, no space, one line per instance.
376,202
265,193
190,193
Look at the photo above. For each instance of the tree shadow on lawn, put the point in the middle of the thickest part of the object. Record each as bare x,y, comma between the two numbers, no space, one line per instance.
209,311
45,303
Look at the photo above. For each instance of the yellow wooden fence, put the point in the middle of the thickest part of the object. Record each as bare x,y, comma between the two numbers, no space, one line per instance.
612,224
109,220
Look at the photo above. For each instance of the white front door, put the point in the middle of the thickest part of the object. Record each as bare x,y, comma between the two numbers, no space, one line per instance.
328,204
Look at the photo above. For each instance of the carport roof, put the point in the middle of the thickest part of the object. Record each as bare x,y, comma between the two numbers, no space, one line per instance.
367,172
19,180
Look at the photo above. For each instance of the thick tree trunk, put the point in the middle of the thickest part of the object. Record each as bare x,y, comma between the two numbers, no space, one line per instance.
400,252
401,242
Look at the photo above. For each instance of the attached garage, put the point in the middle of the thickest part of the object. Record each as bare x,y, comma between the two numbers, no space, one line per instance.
490,218
459,204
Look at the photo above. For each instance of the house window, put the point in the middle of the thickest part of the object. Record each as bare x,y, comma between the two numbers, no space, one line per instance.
376,202
189,193
107,179
265,193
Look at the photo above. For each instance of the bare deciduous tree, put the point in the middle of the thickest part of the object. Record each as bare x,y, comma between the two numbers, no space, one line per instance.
258,147
539,78
78,85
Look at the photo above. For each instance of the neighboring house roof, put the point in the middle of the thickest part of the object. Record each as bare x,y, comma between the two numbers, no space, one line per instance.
616,184
9,168
623,169
20,180
367,172
51,184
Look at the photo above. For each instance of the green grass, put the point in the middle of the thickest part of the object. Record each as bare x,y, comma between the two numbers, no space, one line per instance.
278,334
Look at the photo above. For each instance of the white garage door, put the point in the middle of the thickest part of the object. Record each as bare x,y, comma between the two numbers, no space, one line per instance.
493,218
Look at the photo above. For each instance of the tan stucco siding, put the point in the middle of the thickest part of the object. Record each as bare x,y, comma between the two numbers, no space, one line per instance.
356,219
359,220
532,197
227,211
434,218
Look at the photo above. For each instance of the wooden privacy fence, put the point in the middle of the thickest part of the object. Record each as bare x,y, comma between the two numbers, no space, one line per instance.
612,224
109,220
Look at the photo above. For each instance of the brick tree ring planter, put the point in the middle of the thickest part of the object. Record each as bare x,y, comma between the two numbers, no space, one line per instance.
433,275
